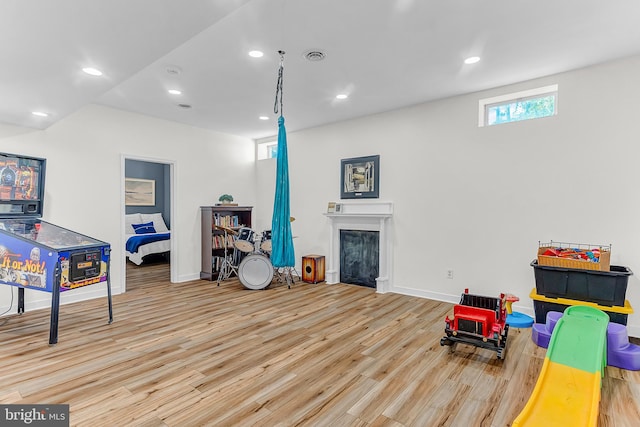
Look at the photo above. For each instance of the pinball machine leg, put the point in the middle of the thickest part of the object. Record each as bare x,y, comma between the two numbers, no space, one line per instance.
20,300
110,303
55,310
109,285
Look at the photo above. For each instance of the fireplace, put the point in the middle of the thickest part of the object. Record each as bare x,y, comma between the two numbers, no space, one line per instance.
365,216
359,257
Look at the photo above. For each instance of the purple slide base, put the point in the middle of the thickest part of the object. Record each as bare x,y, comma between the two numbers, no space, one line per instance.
620,352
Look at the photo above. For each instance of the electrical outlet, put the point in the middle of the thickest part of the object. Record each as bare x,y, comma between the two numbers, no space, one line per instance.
449,274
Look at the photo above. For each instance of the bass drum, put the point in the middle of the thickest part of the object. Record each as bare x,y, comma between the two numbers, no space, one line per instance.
255,271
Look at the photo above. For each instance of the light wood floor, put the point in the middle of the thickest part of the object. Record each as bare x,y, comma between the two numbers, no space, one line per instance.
193,354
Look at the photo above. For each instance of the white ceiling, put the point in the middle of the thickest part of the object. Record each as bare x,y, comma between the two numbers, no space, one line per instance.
385,54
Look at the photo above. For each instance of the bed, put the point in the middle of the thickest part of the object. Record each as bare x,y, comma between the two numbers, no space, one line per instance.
146,234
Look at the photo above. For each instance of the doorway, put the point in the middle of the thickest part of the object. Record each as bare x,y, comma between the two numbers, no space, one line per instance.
155,263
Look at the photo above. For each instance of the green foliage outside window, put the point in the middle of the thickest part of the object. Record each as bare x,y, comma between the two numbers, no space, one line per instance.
532,108
272,151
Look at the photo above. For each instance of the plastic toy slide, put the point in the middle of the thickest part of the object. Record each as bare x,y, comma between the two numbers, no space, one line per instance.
568,389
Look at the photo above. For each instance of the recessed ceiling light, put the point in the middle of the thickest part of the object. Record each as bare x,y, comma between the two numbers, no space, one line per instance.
40,114
263,118
472,60
175,92
92,71
256,54
342,96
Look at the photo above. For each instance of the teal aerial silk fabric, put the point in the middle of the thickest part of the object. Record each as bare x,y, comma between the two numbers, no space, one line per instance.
282,251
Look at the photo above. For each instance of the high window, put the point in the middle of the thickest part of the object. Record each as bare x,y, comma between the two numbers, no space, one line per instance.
267,149
513,107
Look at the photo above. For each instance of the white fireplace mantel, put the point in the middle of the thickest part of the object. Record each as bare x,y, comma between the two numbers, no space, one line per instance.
366,216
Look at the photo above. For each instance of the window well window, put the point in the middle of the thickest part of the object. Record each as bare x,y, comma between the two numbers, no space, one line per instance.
513,107
267,149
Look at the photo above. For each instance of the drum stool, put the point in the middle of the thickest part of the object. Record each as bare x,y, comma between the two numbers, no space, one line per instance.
313,268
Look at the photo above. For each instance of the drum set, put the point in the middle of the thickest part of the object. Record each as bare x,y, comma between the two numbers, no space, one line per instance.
250,259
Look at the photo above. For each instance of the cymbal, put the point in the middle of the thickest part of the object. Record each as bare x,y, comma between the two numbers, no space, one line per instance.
227,229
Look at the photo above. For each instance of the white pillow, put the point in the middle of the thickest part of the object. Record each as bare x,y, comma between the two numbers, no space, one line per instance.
158,221
131,219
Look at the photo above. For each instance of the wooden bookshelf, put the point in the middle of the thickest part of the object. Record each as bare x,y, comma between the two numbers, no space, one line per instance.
213,240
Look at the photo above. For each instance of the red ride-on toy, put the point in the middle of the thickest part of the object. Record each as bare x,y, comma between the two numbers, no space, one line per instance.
479,321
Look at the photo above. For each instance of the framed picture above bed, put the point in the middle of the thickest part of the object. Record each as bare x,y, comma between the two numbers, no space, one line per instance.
139,192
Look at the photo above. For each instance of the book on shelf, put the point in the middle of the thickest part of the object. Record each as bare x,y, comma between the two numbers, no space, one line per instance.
229,221
217,241
216,263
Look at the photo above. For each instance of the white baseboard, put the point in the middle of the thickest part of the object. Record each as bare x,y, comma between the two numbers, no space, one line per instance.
188,277
450,298
70,297
632,330
44,299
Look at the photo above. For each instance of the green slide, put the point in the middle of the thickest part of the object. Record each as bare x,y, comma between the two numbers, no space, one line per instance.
568,389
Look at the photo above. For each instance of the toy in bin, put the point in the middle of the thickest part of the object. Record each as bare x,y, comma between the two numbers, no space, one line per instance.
479,321
574,253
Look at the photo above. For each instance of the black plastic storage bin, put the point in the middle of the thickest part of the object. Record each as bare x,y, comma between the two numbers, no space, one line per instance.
601,287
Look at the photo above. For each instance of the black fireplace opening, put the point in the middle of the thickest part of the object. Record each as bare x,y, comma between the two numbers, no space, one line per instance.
359,257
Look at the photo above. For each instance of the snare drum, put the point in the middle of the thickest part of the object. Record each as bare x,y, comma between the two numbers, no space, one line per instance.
245,240
255,271
265,243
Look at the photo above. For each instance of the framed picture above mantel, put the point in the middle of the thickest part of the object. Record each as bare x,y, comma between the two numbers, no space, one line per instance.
360,178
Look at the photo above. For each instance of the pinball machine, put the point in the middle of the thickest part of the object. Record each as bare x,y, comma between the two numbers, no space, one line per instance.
36,254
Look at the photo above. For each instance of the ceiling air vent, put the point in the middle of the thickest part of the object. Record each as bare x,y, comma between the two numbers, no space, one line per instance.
314,55
174,70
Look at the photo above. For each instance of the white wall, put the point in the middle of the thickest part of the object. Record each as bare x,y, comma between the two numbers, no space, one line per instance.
478,200
83,181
